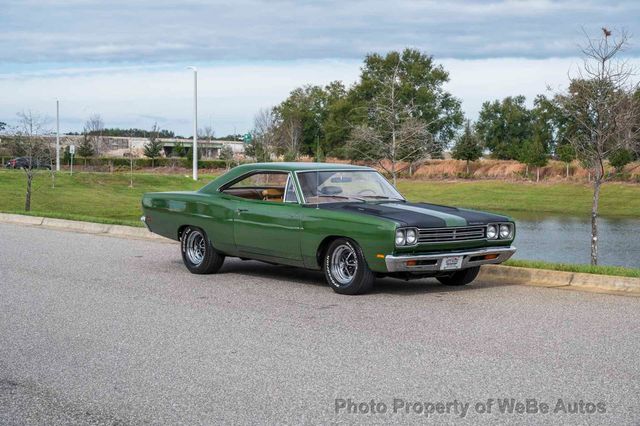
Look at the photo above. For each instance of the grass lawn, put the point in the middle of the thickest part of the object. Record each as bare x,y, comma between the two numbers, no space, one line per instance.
104,197
567,267
94,197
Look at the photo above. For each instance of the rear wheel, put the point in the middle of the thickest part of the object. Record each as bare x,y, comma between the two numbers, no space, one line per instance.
198,254
462,277
345,268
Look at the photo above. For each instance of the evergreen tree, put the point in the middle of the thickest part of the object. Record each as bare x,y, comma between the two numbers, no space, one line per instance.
620,158
566,154
153,148
504,126
179,149
85,149
467,146
534,154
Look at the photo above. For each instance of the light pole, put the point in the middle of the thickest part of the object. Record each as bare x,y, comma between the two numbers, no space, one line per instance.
194,150
57,135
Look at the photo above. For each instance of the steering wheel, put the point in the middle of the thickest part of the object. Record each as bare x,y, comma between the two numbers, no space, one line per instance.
365,192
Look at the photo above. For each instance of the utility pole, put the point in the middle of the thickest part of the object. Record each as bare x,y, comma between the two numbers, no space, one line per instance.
57,135
194,150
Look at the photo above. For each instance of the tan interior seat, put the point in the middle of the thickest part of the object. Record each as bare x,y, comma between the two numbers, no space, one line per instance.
273,194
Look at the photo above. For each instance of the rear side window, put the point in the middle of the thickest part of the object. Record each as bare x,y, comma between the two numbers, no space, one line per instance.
265,186
262,180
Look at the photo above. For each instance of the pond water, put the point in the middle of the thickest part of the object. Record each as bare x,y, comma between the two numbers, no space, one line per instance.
567,240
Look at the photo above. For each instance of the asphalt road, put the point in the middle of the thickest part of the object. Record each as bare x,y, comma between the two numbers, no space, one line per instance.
102,330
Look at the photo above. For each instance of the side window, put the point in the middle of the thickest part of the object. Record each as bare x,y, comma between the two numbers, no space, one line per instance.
290,195
266,186
262,180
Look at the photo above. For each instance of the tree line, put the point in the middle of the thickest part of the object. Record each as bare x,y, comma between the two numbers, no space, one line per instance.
398,114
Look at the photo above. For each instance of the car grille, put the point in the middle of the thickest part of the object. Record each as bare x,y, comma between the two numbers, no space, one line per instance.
441,235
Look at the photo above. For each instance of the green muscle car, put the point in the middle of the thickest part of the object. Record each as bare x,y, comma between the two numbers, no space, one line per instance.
346,220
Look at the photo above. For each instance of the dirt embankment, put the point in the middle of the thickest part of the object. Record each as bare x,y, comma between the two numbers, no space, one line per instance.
507,170
513,170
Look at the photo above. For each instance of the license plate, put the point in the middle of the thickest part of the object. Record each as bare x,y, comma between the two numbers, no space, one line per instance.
453,262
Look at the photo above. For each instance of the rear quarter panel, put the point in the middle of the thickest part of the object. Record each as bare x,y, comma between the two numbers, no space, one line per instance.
167,212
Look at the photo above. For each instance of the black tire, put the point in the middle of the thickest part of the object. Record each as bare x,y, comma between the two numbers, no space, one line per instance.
462,277
198,254
358,279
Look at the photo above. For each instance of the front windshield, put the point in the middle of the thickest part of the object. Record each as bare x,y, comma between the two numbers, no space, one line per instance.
339,186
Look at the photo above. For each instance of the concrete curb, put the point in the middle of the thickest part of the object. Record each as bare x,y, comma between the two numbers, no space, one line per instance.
494,273
83,227
559,279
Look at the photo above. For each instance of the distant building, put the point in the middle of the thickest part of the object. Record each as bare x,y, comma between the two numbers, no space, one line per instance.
115,146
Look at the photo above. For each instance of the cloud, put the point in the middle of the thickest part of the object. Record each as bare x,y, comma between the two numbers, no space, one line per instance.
231,93
162,30
136,96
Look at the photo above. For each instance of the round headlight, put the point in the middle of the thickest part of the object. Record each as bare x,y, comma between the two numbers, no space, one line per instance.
505,231
411,236
400,238
492,232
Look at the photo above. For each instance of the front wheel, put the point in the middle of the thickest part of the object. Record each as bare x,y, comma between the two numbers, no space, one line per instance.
460,277
198,254
345,268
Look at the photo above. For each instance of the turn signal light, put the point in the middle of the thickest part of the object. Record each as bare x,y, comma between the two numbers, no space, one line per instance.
491,256
411,262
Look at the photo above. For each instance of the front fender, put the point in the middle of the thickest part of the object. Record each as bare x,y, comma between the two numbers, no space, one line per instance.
375,236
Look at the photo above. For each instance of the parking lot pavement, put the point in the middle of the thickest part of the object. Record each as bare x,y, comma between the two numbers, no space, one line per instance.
104,330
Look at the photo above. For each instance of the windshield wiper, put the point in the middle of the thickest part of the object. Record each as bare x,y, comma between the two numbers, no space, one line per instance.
382,197
340,196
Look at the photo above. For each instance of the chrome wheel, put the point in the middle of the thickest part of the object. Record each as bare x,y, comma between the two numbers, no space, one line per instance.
344,264
195,247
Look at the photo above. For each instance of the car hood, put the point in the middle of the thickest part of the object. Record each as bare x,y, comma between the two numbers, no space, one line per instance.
421,215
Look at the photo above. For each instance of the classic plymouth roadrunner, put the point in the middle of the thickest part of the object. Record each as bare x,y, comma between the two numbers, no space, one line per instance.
346,220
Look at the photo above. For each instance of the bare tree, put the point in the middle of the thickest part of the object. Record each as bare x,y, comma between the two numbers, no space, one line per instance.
395,133
265,134
28,142
291,137
206,133
600,102
226,154
93,128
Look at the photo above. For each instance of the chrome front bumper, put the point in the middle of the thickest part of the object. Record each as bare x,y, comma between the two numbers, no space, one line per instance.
432,262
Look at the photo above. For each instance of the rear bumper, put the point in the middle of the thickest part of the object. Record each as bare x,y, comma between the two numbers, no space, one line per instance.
143,219
432,262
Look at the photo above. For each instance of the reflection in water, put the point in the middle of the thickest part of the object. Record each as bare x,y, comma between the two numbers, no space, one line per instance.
567,240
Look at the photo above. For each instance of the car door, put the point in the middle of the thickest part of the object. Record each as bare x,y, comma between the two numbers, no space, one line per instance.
269,227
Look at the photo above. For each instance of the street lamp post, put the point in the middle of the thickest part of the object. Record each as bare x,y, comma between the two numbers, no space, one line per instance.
195,122
57,135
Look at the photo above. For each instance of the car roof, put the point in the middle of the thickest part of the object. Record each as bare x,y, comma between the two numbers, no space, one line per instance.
279,167
295,167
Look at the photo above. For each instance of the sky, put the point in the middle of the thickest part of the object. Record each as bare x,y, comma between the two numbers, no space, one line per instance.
127,60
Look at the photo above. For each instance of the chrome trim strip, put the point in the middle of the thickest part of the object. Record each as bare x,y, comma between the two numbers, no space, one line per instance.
398,263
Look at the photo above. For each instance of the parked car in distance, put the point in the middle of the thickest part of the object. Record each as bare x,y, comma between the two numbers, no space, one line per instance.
345,220
24,162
